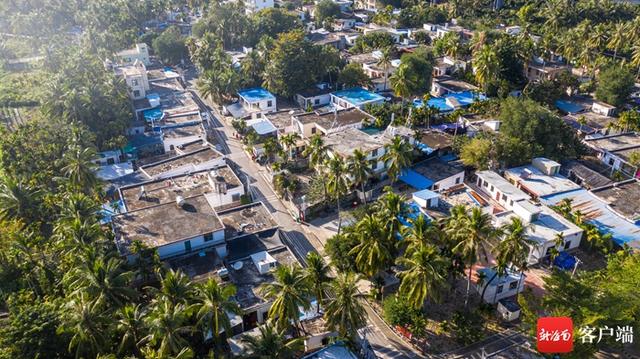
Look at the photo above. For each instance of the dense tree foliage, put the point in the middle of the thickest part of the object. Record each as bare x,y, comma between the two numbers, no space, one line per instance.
615,84
170,46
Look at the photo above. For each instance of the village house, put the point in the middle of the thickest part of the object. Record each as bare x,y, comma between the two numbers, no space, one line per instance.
318,95
540,179
311,123
355,97
200,159
139,53
500,286
252,101
135,76
434,174
447,85
445,65
615,151
538,71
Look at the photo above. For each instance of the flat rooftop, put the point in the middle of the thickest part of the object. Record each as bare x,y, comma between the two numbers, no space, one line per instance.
314,91
189,162
170,121
593,121
151,193
166,223
504,186
340,118
366,58
546,227
538,183
247,219
437,170
454,85
281,119
626,154
624,198
345,142
256,94
615,142
588,177
183,131
358,96
436,139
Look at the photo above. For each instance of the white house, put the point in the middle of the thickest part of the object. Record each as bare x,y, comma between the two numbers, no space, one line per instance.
498,287
540,179
253,6
615,151
355,97
257,100
135,76
499,189
426,198
139,53
319,95
603,109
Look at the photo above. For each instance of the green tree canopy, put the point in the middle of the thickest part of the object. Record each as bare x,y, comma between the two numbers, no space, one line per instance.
170,46
615,84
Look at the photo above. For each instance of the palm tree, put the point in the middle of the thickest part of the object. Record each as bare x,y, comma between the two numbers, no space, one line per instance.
105,281
420,233
390,208
385,62
288,292
18,201
618,38
360,170
373,252
635,58
167,323
78,206
213,303
397,156
175,287
316,151
499,270
87,323
338,181
130,326
317,275
485,65
288,142
554,251
272,344
423,276
345,312
472,231
79,168
401,83
515,245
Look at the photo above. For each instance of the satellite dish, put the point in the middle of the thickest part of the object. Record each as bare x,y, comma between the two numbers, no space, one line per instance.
237,265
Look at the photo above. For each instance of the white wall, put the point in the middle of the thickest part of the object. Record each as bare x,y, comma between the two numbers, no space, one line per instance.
506,292
449,182
314,101
177,141
220,199
540,251
197,243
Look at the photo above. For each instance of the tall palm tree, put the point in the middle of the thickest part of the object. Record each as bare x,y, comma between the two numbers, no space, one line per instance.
345,312
423,276
87,324
79,168
105,281
78,206
168,326
515,245
175,287
316,151
338,181
18,200
373,251
472,232
288,292
618,38
390,208
213,302
288,142
420,233
397,156
360,170
317,275
130,327
385,61
485,65
402,83
272,344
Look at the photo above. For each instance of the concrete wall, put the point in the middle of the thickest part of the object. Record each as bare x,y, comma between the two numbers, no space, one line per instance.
197,243
505,293
449,182
314,101
541,251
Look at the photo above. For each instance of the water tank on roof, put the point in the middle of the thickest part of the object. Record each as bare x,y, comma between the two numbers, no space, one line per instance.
180,201
237,265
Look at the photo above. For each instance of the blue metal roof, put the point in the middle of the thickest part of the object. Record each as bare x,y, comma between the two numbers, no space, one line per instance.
414,179
425,194
600,215
358,96
256,94
262,126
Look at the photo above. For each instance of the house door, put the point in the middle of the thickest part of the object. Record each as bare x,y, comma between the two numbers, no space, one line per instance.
498,196
187,246
250,321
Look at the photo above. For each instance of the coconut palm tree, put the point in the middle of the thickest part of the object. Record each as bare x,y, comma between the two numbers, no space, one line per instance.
485,65
288,292
472,231
424,275
272,344
316,151
317,275
168,326
175,287
635,58
515,245
360,170
79,168
86,322
390,208
130,327
373,251
338,181
18,201
554,251
618,38
345,312
420,233
397,156
385,61
288,142
499,270
213,302
402,83
78,206
105,281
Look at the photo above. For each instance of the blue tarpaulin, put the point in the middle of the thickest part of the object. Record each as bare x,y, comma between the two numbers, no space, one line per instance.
565,261
414,179
153,114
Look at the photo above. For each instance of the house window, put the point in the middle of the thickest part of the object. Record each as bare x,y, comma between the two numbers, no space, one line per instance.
435,187
136,93
134,82
479,182
567,244
511,203
316,101
373,164
457,180
513,285
491,188
110,161
235,197
208,237
269,103
611,161
374,153
313,130
499,289
504,198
